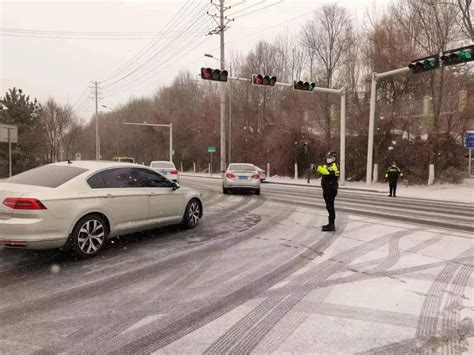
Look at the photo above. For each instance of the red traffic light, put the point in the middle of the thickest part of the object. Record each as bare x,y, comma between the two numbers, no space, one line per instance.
206,73
214,74
265,80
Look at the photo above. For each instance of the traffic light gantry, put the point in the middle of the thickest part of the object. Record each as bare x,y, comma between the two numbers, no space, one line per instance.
449,57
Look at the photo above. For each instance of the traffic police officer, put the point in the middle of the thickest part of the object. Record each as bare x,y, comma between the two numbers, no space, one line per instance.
392,174
329,183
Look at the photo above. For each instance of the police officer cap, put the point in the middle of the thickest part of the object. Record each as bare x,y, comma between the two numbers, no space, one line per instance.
332,154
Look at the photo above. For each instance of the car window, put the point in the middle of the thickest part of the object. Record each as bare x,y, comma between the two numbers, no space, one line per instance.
164,165
120,178
96,181
149,178
47,176
241,167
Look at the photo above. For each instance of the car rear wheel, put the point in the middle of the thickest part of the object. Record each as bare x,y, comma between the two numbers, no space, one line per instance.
192,214
257,191
89,236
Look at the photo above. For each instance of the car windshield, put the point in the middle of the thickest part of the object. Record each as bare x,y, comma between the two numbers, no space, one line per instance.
245,167
47,176
163,165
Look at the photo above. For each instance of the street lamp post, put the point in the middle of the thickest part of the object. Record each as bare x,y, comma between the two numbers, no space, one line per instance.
157,125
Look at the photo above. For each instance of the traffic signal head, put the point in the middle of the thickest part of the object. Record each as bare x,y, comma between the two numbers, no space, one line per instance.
424,64
305,86
458,56
214,74
258,79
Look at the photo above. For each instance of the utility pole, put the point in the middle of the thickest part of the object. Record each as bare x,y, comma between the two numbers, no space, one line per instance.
221,27
96,98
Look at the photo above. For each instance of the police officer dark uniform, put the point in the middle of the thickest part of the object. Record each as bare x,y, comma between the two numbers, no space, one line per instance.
330,184
392,174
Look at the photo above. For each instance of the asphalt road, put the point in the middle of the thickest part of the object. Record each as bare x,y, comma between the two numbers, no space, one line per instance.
257,275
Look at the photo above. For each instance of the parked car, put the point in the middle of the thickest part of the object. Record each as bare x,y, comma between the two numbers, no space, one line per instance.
262,173
241,177
81,204
124,159
166,168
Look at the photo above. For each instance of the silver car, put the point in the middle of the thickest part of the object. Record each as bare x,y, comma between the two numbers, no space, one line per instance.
81,204
241,177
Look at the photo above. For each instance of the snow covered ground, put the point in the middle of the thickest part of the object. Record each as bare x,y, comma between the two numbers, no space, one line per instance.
445,192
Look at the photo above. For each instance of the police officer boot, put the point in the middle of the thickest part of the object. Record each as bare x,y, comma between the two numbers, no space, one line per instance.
330,227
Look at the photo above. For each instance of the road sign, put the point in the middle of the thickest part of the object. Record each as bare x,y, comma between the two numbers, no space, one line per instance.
211,149
8,132
469,139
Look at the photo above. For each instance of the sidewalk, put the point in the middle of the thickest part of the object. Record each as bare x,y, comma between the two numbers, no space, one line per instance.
444,192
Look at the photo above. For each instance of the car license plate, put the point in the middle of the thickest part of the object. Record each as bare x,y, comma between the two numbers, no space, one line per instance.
164,172
243,177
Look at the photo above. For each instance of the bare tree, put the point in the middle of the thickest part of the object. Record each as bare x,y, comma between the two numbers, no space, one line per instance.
327,37
57,121
430,24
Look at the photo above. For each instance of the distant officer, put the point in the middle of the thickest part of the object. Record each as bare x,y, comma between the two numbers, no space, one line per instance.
392,174
330,184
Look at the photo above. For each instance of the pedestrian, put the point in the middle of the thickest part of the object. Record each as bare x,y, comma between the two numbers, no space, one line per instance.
392,174
330,184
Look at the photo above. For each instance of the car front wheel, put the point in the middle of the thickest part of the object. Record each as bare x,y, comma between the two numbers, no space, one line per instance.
192,214
89,236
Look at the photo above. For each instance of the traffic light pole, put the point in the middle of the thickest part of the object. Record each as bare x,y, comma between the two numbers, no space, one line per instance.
373,96
170,126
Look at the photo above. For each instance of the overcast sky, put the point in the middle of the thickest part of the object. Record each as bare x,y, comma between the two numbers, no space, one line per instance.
63,68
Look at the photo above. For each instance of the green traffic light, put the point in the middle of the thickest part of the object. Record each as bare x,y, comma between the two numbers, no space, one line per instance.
465,54
429,63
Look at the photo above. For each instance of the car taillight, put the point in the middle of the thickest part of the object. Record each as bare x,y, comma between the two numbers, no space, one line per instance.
174,172
230,175
23,203
255,176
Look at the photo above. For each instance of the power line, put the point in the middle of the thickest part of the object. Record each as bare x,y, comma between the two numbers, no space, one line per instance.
87,33
168,47
67,37
260,9
181,12
149,74
248,7
79,105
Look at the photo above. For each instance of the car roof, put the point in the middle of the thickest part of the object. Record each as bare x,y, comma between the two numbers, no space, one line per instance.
241,164
162,161
96,164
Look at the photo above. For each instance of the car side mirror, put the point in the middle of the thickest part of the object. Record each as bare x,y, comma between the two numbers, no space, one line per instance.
174,185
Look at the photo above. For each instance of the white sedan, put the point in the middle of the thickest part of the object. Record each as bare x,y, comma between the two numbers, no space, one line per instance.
166,168
241,177
81,204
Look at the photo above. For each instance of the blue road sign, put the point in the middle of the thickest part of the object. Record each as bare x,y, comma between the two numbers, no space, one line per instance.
469,139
